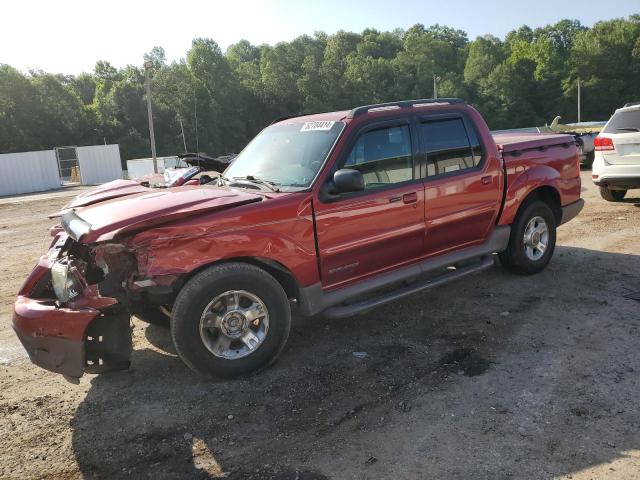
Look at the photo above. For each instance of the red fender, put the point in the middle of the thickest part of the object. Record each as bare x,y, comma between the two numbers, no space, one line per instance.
525,183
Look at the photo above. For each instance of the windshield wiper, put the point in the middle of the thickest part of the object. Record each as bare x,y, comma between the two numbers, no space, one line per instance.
259,181
629,129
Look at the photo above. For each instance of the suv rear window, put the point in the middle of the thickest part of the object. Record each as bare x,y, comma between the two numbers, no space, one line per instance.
621,121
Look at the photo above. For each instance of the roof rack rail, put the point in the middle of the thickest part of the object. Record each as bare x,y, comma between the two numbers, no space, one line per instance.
400,104
631,104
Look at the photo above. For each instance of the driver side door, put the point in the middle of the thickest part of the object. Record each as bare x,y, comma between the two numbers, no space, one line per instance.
379,228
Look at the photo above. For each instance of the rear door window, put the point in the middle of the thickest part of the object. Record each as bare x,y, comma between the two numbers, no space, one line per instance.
449,146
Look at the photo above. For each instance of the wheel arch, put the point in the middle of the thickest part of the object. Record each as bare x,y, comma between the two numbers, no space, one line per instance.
281,273
515,258
548,195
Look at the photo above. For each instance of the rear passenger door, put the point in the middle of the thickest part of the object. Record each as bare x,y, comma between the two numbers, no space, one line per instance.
462,190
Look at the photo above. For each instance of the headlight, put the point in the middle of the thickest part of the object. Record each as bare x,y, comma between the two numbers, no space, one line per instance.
66,282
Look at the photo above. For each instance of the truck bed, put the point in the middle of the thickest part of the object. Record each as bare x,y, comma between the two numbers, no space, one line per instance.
545,159
520,141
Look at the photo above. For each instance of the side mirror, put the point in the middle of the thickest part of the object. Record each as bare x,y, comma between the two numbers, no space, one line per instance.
348,180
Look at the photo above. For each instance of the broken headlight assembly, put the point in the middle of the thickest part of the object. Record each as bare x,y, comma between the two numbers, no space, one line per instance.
66,280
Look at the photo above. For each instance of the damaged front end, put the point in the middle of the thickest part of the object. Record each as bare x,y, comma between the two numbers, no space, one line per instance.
71,313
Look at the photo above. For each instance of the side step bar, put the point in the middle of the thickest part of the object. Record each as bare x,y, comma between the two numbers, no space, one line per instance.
314,299
341,311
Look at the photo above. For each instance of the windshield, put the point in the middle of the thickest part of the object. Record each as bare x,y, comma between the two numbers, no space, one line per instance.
288,156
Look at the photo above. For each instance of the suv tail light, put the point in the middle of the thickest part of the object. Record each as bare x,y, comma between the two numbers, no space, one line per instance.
603,143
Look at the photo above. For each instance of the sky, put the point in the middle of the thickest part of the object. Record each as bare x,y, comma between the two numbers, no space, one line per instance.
69,36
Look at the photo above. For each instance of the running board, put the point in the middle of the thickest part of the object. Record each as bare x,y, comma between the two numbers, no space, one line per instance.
314,299
341,311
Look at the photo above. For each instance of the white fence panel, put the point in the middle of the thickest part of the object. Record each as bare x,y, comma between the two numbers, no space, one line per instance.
138,167
27,172
99,163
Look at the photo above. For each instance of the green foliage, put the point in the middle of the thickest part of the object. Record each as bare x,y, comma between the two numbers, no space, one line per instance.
525,80
485,54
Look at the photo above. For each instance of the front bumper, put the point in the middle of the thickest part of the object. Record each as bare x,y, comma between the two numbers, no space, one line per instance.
92,334
53,337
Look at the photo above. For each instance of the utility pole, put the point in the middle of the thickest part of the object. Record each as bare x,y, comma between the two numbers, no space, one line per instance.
435,86
578,99
152,136
195,112
184,140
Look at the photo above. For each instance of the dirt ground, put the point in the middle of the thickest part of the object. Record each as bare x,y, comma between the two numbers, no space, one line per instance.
495,376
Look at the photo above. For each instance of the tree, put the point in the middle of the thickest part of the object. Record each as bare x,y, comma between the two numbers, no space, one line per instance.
216,93
337,95
61,110
510,96
20,123
605,59
525,80
157,58
485,54
437,50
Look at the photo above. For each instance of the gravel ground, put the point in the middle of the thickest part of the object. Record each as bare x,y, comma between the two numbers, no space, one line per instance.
495,376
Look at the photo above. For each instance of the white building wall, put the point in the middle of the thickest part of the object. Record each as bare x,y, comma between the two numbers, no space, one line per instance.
99,163
27,172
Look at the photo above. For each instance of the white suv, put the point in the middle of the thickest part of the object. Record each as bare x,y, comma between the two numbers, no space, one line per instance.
616,166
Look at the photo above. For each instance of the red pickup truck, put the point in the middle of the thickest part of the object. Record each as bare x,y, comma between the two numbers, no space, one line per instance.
335,213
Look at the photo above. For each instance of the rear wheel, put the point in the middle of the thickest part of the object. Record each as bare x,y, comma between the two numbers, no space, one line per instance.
588,159
230,320
532,241
612,195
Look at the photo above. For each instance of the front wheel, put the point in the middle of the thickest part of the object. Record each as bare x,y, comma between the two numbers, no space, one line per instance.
532,241
612,195
230,320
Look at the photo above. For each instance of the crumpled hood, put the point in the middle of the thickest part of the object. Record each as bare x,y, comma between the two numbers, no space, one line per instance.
107,191
105,220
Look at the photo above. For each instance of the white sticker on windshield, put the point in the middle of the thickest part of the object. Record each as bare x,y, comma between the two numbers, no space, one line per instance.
312,126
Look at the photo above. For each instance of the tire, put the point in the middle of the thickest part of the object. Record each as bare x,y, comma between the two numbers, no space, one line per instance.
588,160
229,296
521,256
612,195
151,314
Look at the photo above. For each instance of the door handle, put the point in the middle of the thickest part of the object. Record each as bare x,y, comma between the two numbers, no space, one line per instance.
486,180
410,197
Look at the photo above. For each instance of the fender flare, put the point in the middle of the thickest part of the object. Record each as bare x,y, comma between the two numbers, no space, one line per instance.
535,178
